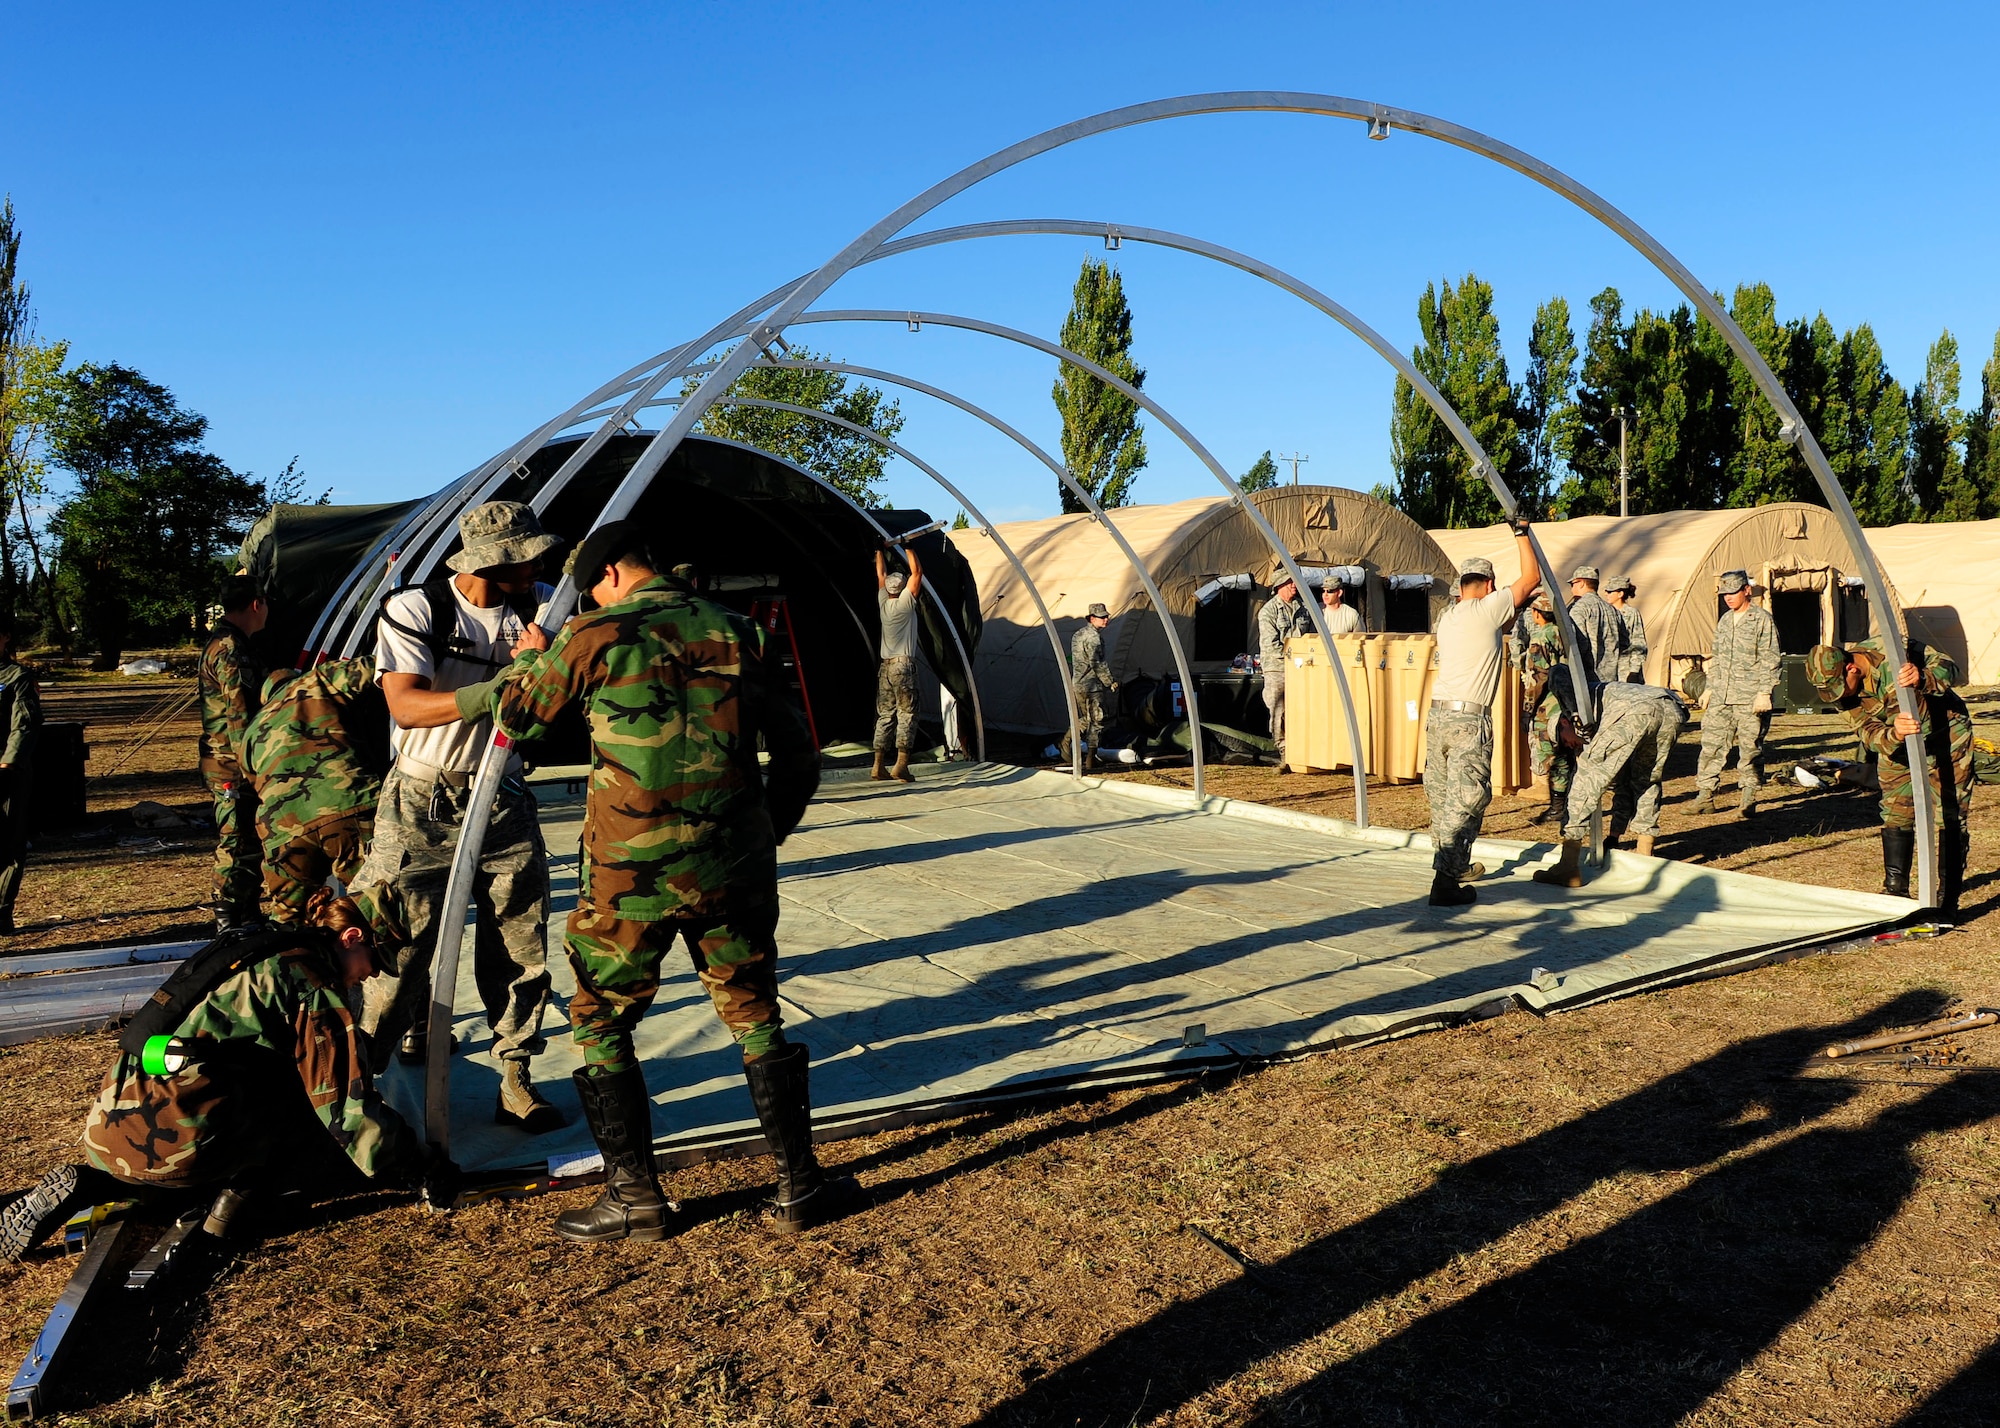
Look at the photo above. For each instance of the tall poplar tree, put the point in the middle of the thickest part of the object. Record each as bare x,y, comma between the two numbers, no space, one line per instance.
1982,438
1460,355
1937,469
1102,442
1545,400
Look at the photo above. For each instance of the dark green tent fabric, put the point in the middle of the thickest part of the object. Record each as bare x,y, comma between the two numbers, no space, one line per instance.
301,554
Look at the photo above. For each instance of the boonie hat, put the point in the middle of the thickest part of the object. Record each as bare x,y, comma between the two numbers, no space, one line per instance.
1477,565
1097,611
1584,572
1826,667
499,533
1730,581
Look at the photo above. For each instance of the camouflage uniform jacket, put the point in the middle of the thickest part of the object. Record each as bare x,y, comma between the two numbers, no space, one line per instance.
1087,668
231,682
1601,633
1873,711
20,712
308,750
286,1008
1635,640
1745,663
679,693
1278,621
1543,652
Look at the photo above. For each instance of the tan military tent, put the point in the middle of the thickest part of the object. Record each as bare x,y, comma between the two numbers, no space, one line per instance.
1948,576
1213,568
1803,568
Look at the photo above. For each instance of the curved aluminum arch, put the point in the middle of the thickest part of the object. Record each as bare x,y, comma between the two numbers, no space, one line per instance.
1048,621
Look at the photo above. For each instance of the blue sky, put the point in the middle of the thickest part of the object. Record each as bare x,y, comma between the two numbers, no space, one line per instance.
392,241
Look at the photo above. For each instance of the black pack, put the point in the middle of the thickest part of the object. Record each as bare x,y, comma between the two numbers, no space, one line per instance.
443,639
203,972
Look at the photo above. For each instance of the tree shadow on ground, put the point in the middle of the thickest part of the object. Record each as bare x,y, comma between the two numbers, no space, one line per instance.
1638,1324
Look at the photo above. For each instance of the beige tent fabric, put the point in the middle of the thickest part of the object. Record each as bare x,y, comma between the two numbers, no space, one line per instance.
1074,563
1948,576
1674,558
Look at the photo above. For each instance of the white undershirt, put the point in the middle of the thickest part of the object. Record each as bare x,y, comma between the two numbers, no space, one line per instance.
489,631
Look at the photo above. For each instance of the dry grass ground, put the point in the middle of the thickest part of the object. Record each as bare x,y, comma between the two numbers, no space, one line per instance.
1654,1211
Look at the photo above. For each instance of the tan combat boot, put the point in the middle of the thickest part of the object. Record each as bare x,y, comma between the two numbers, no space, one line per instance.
902,769
1645,845
1566,873
878,773
520,1105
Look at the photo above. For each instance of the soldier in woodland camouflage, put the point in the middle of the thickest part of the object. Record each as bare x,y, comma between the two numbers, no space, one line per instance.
275,1075
1544,655
231,679
1742,672
1627,753
680,844
20,729
316,754
1090,678
1864,687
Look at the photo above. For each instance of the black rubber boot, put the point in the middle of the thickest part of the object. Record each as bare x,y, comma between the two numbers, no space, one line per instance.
46,1208
621,1120
1557,812
1448,891
1951,867
1899,850
782,1094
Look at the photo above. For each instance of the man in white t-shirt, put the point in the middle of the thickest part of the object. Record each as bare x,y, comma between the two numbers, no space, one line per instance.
1341,617
896,679
440,648
1458,735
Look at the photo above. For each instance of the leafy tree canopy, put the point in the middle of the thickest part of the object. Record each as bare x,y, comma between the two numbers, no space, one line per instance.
849,461
1262,475
1102,442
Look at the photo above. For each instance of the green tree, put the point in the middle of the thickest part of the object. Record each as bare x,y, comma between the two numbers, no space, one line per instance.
1262,475
1765,467
850,462
1982,438
141,536
960,523
1937,462
1460,355
1544,400
30,373
1102,441
1865,428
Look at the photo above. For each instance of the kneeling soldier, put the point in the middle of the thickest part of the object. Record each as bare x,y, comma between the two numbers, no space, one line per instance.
680,843
1863,687
316,752
1636,728
240,1067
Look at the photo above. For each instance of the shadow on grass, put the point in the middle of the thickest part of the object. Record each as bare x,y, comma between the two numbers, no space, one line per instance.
1638,1324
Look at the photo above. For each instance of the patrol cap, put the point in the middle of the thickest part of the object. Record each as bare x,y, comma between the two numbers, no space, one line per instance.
894,582
500,533
1826,667
1584,572
607,545
1620,582
1477,567
1097,611
1730,581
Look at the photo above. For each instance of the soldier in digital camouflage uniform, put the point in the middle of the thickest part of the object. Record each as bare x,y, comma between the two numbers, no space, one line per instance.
316,751
20,728
1282,617
680,844
1742,672
1090,678
276,1077
1864,687
1626,752
1600,632
1623,597
1543,656
231,678
1458,729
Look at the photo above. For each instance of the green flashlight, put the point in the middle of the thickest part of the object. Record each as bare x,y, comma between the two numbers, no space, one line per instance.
164,1055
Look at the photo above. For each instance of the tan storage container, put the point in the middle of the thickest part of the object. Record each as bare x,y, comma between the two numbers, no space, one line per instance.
1406,666
1513,756
1315,723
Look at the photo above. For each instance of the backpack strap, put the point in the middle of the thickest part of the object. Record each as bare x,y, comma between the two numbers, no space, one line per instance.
192,982
442,639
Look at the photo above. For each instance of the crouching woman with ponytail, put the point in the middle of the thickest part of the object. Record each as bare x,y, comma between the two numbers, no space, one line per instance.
244,1070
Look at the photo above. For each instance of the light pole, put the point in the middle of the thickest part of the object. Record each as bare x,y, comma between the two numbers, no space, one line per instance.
1624,470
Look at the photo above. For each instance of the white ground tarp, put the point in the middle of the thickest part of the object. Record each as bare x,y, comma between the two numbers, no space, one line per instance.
993,931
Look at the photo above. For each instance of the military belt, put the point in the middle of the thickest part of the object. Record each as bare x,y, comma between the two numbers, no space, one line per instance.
417,771
1460,706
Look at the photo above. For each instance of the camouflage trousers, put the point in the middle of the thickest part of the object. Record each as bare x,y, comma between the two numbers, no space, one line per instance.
1629,757
298,861
1558,763
1089,721
1458,782
1954,804
416,836
201,1126
17,792
1723,727
617,966
239,857
896,704
1274,700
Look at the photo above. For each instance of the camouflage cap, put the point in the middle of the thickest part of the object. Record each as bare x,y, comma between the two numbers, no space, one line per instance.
499,533
1477,567
1730,581
1097,611
381,906
1584,572
1620,582
1545,603
1826,667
